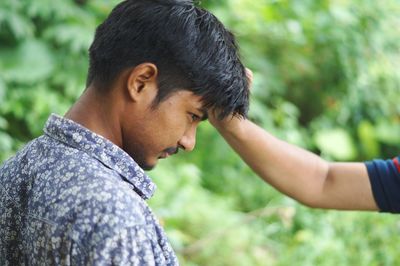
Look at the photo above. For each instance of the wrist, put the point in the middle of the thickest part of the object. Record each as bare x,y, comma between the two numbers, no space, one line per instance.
232,126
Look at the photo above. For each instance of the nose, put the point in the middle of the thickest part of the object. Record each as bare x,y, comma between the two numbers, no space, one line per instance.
188,140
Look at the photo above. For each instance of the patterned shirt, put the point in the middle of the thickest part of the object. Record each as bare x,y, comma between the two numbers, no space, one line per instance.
73,197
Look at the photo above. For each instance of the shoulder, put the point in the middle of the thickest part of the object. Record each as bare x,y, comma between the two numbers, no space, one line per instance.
74,187
112,224
101,198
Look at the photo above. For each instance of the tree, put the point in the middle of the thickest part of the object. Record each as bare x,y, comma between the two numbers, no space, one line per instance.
326,77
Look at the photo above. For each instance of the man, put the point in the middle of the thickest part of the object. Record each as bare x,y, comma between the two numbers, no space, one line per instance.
76,195
305,177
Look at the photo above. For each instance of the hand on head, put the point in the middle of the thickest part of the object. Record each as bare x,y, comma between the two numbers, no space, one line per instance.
228,121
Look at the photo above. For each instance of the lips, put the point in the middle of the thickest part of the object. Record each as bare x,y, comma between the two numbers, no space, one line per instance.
168,152
164,155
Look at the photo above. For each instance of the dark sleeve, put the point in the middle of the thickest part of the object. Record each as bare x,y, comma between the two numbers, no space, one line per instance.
385,182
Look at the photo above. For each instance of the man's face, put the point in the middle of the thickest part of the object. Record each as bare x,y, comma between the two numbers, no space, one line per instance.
158,132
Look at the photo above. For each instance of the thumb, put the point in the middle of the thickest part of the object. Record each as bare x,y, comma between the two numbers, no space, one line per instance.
249,75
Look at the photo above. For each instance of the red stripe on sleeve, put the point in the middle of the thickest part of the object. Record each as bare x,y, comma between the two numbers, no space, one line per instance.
397,164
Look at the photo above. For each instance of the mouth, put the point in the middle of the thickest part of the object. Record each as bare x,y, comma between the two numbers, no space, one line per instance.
164,155
168,152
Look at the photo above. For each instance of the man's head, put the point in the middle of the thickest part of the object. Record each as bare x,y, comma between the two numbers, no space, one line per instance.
174,61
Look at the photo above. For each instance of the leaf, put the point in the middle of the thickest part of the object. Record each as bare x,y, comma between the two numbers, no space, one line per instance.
336,143
3,123
78,38
20,26
2,90
366,133
30,62
388,132
5,142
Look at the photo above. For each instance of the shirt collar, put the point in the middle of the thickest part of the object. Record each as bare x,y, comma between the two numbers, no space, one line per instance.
79,137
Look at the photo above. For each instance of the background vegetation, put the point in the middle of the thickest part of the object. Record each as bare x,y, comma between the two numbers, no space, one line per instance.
326,78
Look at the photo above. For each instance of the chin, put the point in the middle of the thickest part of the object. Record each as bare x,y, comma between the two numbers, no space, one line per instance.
147,166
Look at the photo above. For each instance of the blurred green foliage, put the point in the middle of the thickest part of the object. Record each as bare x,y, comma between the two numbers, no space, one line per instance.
326,78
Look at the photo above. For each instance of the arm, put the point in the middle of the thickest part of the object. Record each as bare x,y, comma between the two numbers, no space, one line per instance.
296,172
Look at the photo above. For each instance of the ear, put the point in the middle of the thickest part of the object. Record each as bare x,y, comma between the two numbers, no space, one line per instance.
142,79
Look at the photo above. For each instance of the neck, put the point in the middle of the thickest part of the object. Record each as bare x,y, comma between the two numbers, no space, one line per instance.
93,111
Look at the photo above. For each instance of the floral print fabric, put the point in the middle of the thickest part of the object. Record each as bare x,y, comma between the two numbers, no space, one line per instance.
71,197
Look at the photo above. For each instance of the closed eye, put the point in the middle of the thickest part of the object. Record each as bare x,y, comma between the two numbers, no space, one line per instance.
195,117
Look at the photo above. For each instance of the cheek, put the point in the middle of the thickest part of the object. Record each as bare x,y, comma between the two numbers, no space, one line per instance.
164,127
157,135
170,127
177,129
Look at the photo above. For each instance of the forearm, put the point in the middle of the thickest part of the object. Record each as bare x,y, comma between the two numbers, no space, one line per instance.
288,168
298,173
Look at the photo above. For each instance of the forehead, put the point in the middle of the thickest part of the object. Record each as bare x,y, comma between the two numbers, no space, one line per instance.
187,98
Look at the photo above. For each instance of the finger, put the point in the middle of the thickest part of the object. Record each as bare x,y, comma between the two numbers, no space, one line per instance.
249,75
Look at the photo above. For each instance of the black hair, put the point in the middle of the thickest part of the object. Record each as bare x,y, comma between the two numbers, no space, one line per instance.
190,47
